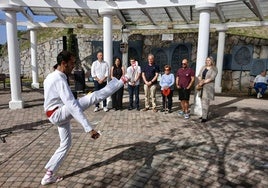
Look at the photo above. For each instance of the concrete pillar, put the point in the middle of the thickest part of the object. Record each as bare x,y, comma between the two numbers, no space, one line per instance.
107,14
33,39
204,9
220,55
13,56
125,34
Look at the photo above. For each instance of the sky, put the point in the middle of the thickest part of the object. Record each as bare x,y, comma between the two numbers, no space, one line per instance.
20,17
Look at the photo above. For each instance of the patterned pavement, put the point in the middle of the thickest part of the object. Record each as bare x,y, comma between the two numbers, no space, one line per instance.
139,149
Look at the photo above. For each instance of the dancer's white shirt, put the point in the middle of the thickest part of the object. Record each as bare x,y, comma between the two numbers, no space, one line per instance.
57,93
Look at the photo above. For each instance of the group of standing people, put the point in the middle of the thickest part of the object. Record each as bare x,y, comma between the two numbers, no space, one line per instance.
183,80
100,71
206,82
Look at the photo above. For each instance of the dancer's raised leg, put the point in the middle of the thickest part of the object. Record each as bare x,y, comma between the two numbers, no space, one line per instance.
100,95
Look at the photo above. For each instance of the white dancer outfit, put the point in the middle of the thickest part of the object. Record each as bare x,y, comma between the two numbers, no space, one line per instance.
61,106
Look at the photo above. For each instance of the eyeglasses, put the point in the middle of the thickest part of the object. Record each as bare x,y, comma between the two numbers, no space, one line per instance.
167,70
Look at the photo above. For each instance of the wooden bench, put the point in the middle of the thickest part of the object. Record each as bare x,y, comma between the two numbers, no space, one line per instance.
251,88
3,79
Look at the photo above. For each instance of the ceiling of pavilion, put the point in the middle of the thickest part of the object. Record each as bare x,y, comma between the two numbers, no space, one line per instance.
143,14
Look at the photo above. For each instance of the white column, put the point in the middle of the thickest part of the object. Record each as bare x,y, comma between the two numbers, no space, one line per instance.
202,46
220,55
13,58
125,33
107,14
107,34
33,37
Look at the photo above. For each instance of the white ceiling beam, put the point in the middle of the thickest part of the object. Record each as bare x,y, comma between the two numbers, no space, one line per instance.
95,21
78,12
222,1
144,11
143,27
196,26
84,26
26,15
180,11
246,24
58,14
257,9
91,4
120,17
220,14
168,14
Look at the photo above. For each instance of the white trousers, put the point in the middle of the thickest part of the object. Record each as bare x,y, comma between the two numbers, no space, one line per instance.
61,117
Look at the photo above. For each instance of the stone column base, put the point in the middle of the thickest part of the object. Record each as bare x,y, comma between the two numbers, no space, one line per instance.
16,105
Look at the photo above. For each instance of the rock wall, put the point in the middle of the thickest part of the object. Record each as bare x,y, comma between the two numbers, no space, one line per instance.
231,79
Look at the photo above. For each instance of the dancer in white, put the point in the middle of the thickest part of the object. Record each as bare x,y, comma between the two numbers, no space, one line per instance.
61,106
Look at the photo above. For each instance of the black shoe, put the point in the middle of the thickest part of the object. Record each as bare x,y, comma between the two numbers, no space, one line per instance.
130,108
169,111
203,120
138,109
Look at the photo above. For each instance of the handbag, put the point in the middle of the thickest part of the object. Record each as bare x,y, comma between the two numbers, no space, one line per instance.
166,92
198,87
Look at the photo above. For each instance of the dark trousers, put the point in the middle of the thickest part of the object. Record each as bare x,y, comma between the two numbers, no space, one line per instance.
261,86
97,87
117,98
134,90
169,98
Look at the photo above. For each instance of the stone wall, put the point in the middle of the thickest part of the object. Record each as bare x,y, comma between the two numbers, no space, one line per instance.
231,81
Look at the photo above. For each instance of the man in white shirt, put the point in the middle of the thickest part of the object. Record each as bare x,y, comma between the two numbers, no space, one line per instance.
260,84
61,106
100,73
134,74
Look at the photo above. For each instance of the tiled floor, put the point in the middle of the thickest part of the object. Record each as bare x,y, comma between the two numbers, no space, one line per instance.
140,149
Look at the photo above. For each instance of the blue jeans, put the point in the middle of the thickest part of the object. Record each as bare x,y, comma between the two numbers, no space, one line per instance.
134,90
261,86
